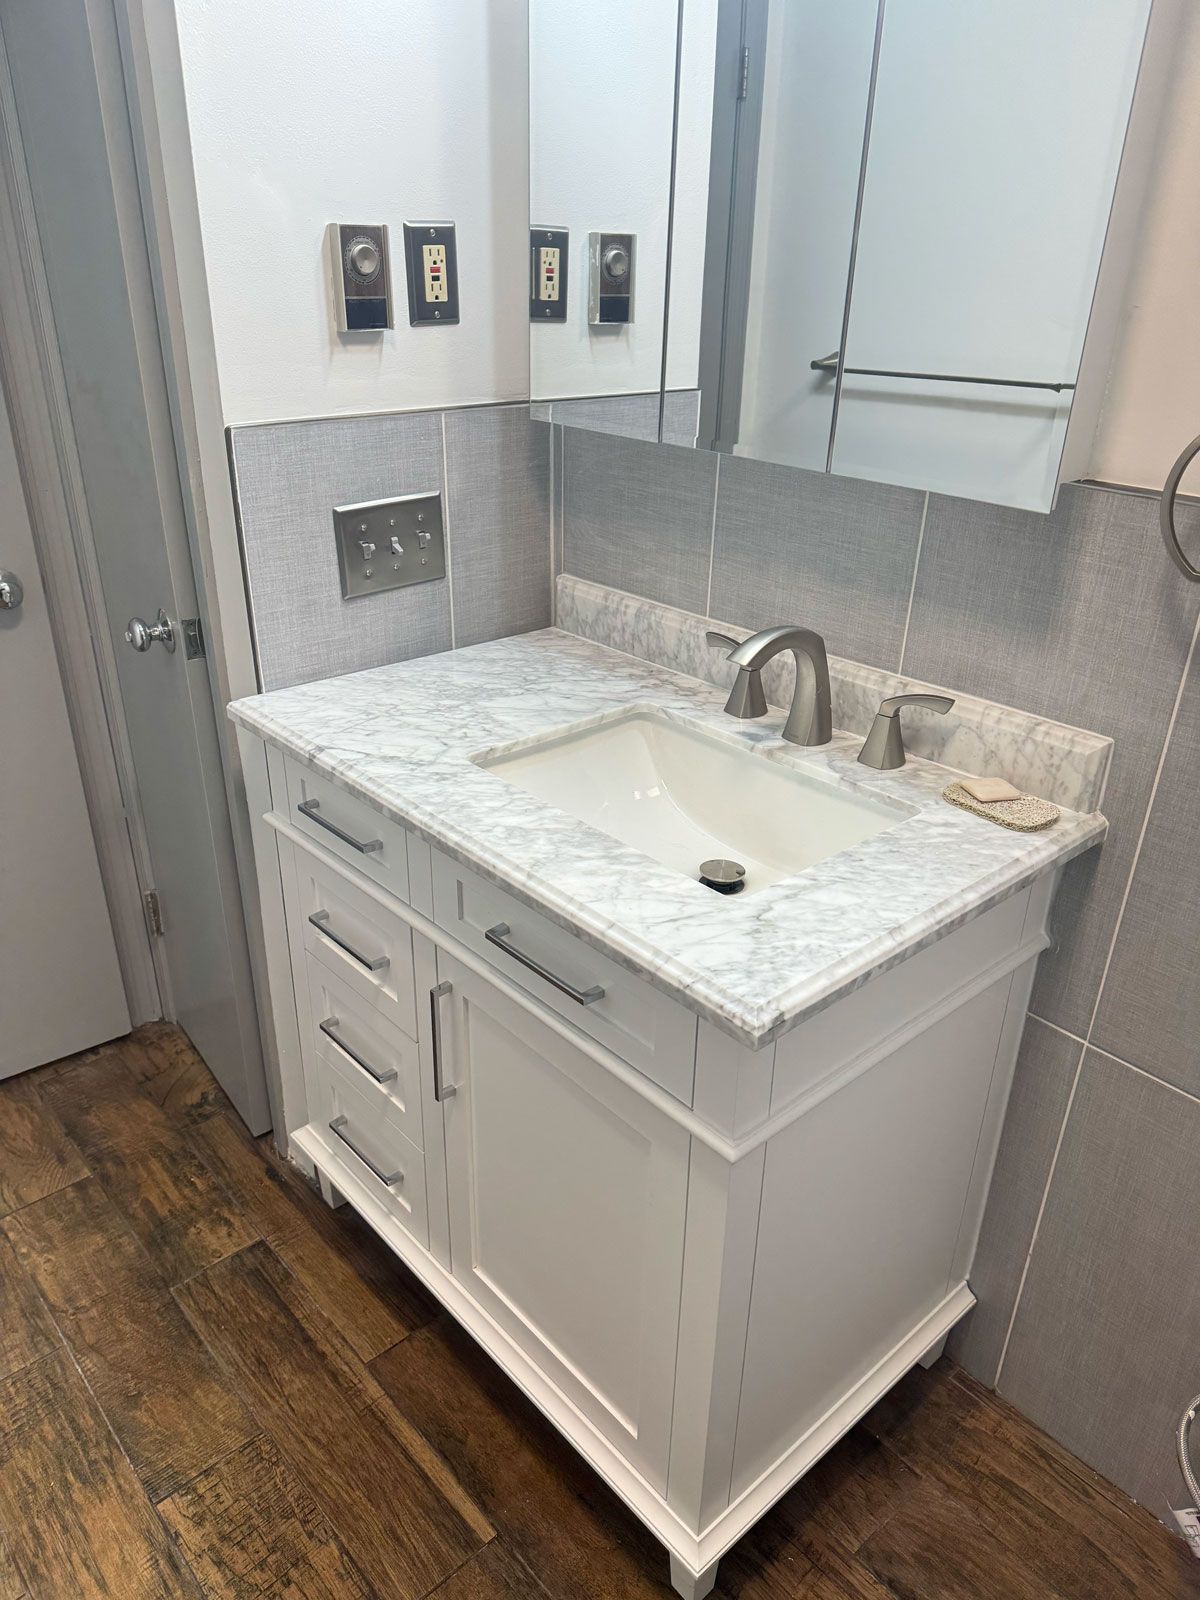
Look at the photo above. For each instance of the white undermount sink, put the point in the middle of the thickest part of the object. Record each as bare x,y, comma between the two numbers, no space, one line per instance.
684,797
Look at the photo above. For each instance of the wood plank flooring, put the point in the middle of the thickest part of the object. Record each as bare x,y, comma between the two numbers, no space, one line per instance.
212,1385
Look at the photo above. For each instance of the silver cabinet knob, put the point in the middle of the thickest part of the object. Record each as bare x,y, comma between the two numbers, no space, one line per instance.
141,635
12,591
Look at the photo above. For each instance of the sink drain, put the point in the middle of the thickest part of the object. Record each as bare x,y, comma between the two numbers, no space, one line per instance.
726,877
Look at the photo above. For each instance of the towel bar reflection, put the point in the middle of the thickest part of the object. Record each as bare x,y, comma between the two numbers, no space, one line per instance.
829,364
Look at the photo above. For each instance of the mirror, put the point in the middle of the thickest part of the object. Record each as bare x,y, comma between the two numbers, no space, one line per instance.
887,225
602,113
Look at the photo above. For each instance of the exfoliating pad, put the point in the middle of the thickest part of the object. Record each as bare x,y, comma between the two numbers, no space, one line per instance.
1026,814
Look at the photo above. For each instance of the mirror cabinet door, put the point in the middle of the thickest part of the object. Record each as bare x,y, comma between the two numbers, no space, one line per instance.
907,205
602,108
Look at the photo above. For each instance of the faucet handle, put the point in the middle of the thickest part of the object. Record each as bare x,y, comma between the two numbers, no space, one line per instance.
721,641
883,747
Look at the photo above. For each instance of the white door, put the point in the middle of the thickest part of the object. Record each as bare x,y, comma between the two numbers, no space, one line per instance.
567,1198
65,62
60,985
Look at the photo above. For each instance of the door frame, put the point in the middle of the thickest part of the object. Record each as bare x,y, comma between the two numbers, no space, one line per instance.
32,378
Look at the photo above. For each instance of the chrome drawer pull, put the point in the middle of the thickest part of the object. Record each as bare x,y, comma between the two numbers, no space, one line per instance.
335,1127
441,1091
584,997
310,809
327,1028
320,921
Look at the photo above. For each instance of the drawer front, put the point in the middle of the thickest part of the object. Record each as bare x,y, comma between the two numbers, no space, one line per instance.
385,1062
648,1029
348,827
358,939
366,1138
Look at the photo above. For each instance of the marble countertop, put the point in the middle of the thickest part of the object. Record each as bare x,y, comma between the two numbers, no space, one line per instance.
403,737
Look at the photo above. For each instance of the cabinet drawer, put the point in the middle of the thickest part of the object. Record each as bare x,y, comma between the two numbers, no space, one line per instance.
384,1061
648,1029
355,937
364,1135
369,841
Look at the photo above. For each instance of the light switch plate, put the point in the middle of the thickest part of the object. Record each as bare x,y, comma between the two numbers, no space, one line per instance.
431,267
548,274
387,544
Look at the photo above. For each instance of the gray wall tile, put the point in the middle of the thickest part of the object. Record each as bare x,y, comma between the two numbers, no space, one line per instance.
1076,616
288,477
1150,1009
638,516
498,477
831,553
1041,1089
1105,1349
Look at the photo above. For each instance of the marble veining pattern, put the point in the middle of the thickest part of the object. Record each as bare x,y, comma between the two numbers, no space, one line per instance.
1060,763
402,737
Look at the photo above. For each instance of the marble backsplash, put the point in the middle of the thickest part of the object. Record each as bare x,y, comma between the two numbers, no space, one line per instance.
1052,759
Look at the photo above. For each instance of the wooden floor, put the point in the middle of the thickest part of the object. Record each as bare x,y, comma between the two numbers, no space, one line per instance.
212,1385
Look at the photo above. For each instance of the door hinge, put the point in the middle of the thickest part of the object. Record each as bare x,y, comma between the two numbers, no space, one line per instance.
744,74
153,910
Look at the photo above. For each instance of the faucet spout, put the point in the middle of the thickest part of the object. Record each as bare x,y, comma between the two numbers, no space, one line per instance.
810,720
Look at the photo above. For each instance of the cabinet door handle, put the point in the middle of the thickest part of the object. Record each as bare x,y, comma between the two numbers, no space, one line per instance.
320,921
336,1128
441,1091
499,936
329,1029
311,810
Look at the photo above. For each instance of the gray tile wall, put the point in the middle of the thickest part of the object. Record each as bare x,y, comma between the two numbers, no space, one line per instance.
1089,1314
491,464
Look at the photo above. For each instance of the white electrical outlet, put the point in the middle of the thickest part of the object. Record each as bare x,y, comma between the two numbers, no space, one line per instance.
436,286
548,273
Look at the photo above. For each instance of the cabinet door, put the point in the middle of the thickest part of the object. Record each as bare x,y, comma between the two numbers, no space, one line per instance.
567,1196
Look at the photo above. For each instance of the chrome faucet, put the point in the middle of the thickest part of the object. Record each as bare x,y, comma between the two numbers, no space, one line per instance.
810,721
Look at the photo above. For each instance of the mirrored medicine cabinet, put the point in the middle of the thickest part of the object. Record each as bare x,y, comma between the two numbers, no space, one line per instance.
881,238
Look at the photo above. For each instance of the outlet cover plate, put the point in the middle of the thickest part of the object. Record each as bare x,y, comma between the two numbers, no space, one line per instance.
422,312
414,521
548,239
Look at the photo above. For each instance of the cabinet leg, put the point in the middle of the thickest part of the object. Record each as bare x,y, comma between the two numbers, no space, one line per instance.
692,1586
934,1352
331,1196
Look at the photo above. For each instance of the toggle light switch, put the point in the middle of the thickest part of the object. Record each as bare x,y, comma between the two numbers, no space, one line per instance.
431,267
548,274
385,528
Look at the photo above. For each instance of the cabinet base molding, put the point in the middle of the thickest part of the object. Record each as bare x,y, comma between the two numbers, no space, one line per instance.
694,1555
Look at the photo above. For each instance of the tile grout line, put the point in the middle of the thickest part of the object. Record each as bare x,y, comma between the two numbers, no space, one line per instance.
712,537
912,589
1142,1072
1037,1223
1087,1041
1145,827
447,520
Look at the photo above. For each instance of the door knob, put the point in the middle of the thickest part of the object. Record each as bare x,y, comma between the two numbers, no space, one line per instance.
141,635
11,591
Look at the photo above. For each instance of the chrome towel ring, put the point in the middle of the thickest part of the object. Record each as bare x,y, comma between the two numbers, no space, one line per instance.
1166,512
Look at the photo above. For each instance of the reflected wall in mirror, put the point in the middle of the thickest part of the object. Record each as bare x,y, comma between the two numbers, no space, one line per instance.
914,222
602,94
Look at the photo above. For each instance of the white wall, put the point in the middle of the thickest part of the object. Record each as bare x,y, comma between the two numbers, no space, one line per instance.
378,111
1153,404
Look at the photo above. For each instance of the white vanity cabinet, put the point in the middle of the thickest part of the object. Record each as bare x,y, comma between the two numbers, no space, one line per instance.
703,1262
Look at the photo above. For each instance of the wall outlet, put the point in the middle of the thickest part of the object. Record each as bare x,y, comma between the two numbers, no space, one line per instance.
431,267
434,258
548,274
